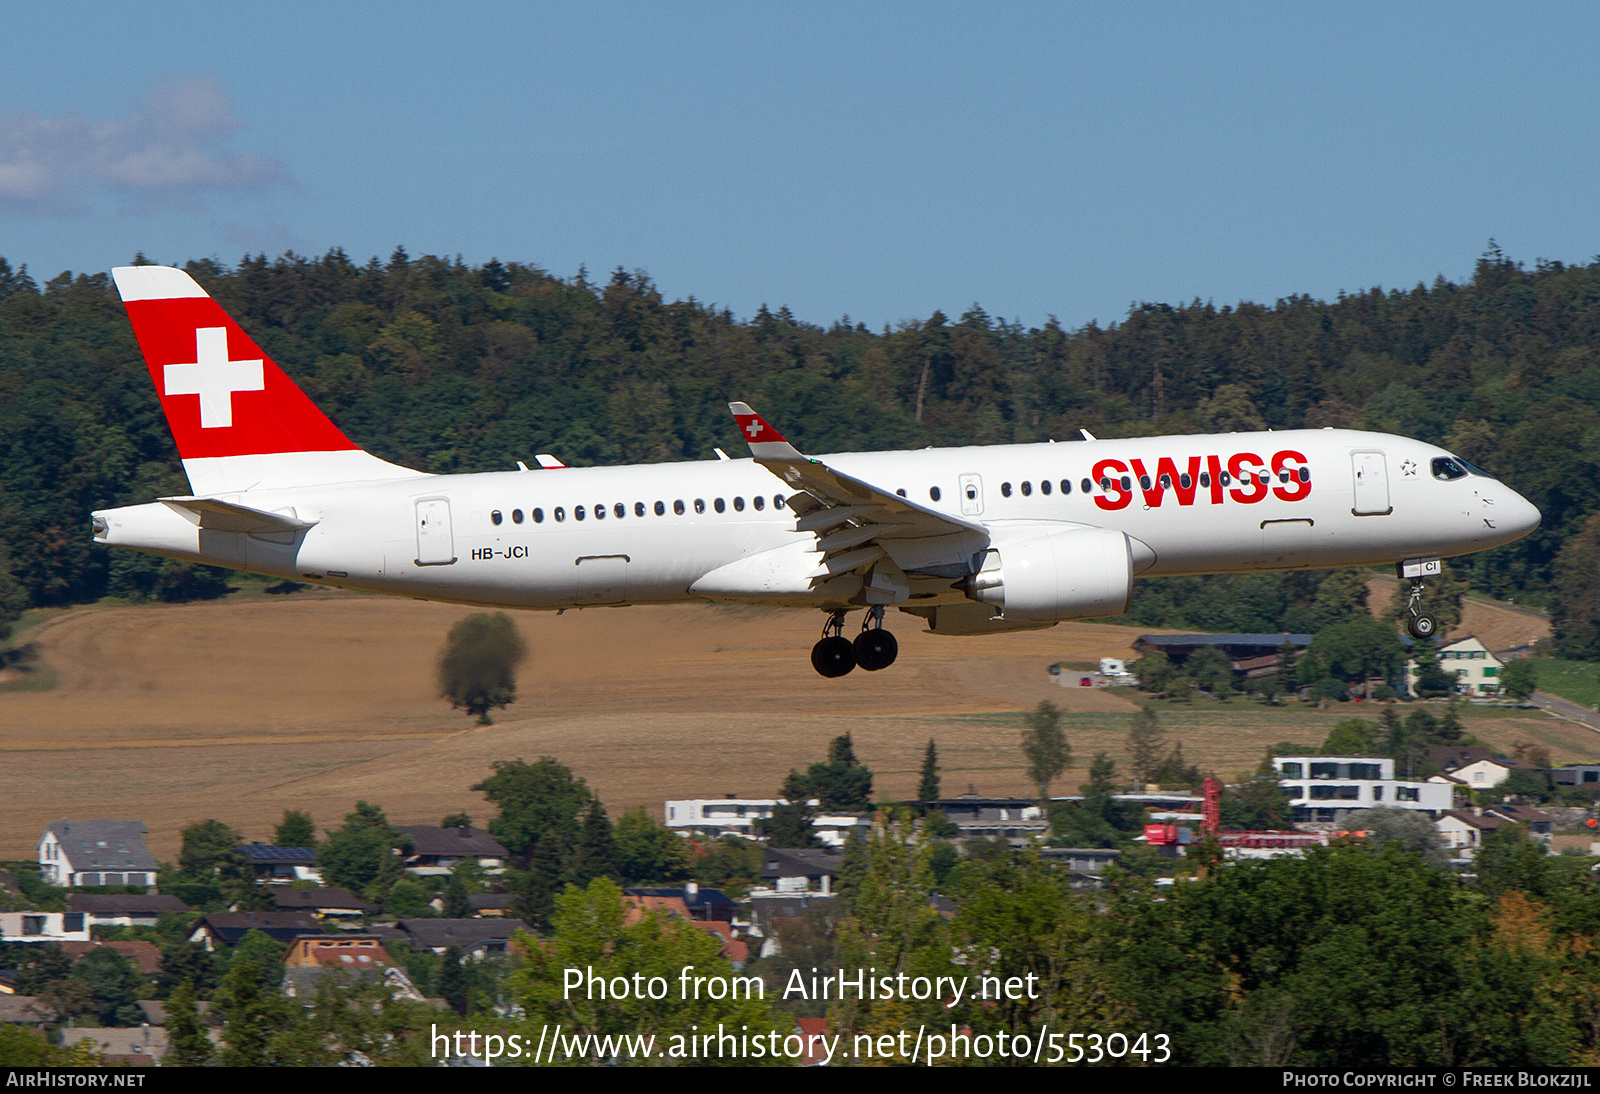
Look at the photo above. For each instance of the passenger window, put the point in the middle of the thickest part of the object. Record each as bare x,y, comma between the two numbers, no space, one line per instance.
494,517
638,508
720,506
777,501
619,509
1305,474
1185,481
677,507
1127,482
600,512
1105,483
1166,482
1044,486
1144,482
1087,486
933,492
1066,486
538,516
901,492
516,516
759,502
1205,479
661,508
1447,469
699,505
1027,489
577,512
1224,478
561,514
738,505
1005,492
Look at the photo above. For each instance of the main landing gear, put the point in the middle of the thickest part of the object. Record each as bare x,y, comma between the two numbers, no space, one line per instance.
874,648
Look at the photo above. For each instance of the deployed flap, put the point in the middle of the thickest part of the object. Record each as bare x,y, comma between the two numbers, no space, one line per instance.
227,516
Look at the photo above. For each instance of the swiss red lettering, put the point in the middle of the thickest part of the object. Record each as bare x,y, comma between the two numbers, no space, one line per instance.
1294,490
1115,496
1214,468
1246,467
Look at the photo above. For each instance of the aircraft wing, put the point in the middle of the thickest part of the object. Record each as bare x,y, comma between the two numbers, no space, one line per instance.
859,527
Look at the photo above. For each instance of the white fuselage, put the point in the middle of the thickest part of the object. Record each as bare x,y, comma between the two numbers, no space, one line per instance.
1364,498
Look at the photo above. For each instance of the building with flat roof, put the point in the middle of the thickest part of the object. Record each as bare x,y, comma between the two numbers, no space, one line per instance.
1325,788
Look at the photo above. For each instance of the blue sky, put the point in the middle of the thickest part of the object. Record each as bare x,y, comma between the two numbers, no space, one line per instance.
880,160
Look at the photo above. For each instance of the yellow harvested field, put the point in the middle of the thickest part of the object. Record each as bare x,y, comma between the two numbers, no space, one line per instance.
244,708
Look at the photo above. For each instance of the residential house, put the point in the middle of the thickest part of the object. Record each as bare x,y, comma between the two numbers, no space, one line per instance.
281,865
800,870
745,817
693,901
43,927
24,1010
1541,825
475,936
1576,775
123,909
1485,774
132,1046
1325,788
96,852
227,928
496,904
1463,831
340,904
309,958
144,956
434,852
1477,670
1015,820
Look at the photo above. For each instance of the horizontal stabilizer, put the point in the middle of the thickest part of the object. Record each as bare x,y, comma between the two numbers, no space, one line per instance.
227,516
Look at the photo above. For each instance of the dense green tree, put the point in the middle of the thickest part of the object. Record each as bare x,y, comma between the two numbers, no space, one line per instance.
478,667
1519,678
115,985
362,856
1351,737
928,787
1412,830
1211,669
1147,745
1045,747
208,852
535,799
184,962
649,853
842,783
1341,597
408,898
295,830
253,1014
597,848
187,1042
790,823
457,903
1356,650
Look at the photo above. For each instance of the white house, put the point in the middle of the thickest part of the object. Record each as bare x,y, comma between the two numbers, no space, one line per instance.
96,852
43,927
1477,670
1463,832
738,817
1325,788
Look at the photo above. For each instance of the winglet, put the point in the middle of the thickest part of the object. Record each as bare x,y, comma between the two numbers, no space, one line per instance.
766,443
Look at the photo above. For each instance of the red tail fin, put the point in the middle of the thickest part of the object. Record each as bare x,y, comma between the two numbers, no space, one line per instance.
228,404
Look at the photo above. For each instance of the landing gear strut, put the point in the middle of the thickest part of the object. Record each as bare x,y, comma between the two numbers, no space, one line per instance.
875,648
833,655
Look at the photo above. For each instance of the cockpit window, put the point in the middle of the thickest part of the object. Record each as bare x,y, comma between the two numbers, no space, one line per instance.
1480,472
1448,468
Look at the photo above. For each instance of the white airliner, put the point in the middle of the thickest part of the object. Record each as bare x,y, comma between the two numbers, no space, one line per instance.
974,540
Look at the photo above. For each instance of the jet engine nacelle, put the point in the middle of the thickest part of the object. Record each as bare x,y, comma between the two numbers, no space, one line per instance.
1067,573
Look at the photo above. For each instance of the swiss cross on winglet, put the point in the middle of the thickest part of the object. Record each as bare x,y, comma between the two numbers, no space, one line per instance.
765,442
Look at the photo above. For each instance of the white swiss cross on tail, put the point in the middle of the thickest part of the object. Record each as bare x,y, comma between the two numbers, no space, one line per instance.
765,442
213,377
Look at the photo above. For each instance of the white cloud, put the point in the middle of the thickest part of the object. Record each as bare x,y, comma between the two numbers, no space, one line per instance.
167,153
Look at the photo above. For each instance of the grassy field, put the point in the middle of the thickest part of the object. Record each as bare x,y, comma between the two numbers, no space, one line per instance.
1578,681
242,708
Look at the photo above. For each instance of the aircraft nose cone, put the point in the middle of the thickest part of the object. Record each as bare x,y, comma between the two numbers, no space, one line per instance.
1521,515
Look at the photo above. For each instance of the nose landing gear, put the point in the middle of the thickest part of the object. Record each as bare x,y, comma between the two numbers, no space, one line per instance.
1421,624
874,648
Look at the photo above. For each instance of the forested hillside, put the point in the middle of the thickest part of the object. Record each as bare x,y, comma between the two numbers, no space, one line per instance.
450,367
